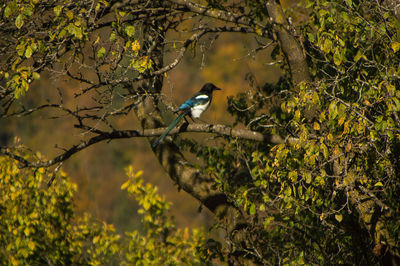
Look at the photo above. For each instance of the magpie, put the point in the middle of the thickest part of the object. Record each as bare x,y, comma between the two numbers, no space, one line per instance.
193,107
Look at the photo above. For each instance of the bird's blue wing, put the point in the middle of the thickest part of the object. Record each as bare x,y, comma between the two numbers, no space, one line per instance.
188,104
197,99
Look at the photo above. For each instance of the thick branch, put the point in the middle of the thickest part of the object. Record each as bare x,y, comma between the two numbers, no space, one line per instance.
290,46
221,130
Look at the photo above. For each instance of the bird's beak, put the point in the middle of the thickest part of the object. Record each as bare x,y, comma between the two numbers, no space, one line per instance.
217,89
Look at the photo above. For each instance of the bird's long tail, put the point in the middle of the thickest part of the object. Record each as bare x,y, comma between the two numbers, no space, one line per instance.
170,127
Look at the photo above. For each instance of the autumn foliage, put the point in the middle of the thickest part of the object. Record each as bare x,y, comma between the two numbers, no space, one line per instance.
301,165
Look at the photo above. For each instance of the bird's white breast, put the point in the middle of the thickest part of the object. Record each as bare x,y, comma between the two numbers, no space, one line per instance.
199,109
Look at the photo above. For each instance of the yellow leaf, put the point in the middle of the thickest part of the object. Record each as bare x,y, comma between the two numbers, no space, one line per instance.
367,103
258,31
96,239
35,75
125,185
31,245
144,61
308,178
380,85
316,126
338,217
325,150
24,75
341,121
337,151
139,173
329,137
395,46
70,15
34,215
97,40
379,184
186,233
391,88
135,46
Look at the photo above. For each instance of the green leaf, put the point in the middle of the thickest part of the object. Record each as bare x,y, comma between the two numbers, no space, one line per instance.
325,150
113,37
28,11
34,46
62,33
130,31
35,75
74,30
57,10
28,52
333,110
101,52
31,245
18,92
310,37
308,177
70,15
358,56
21,48
7,11
337,58
19,21
252,209
293,176
327,46
297,115
41,47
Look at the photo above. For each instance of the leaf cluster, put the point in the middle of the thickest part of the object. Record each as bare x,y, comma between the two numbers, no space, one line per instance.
39,225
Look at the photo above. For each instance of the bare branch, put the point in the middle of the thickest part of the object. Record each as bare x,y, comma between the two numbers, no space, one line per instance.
218,14
194,38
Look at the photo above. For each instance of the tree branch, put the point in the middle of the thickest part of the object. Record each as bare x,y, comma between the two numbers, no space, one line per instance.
123,134
217,14
290,47
194,38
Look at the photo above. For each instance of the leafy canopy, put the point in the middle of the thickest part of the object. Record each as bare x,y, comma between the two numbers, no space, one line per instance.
328,194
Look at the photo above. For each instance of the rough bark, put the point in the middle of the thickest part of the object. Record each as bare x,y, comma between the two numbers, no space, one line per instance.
298,67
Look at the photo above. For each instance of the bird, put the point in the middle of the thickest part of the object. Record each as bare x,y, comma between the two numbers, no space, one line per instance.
193,107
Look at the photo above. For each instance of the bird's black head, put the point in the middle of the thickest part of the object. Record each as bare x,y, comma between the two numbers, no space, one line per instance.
209,88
